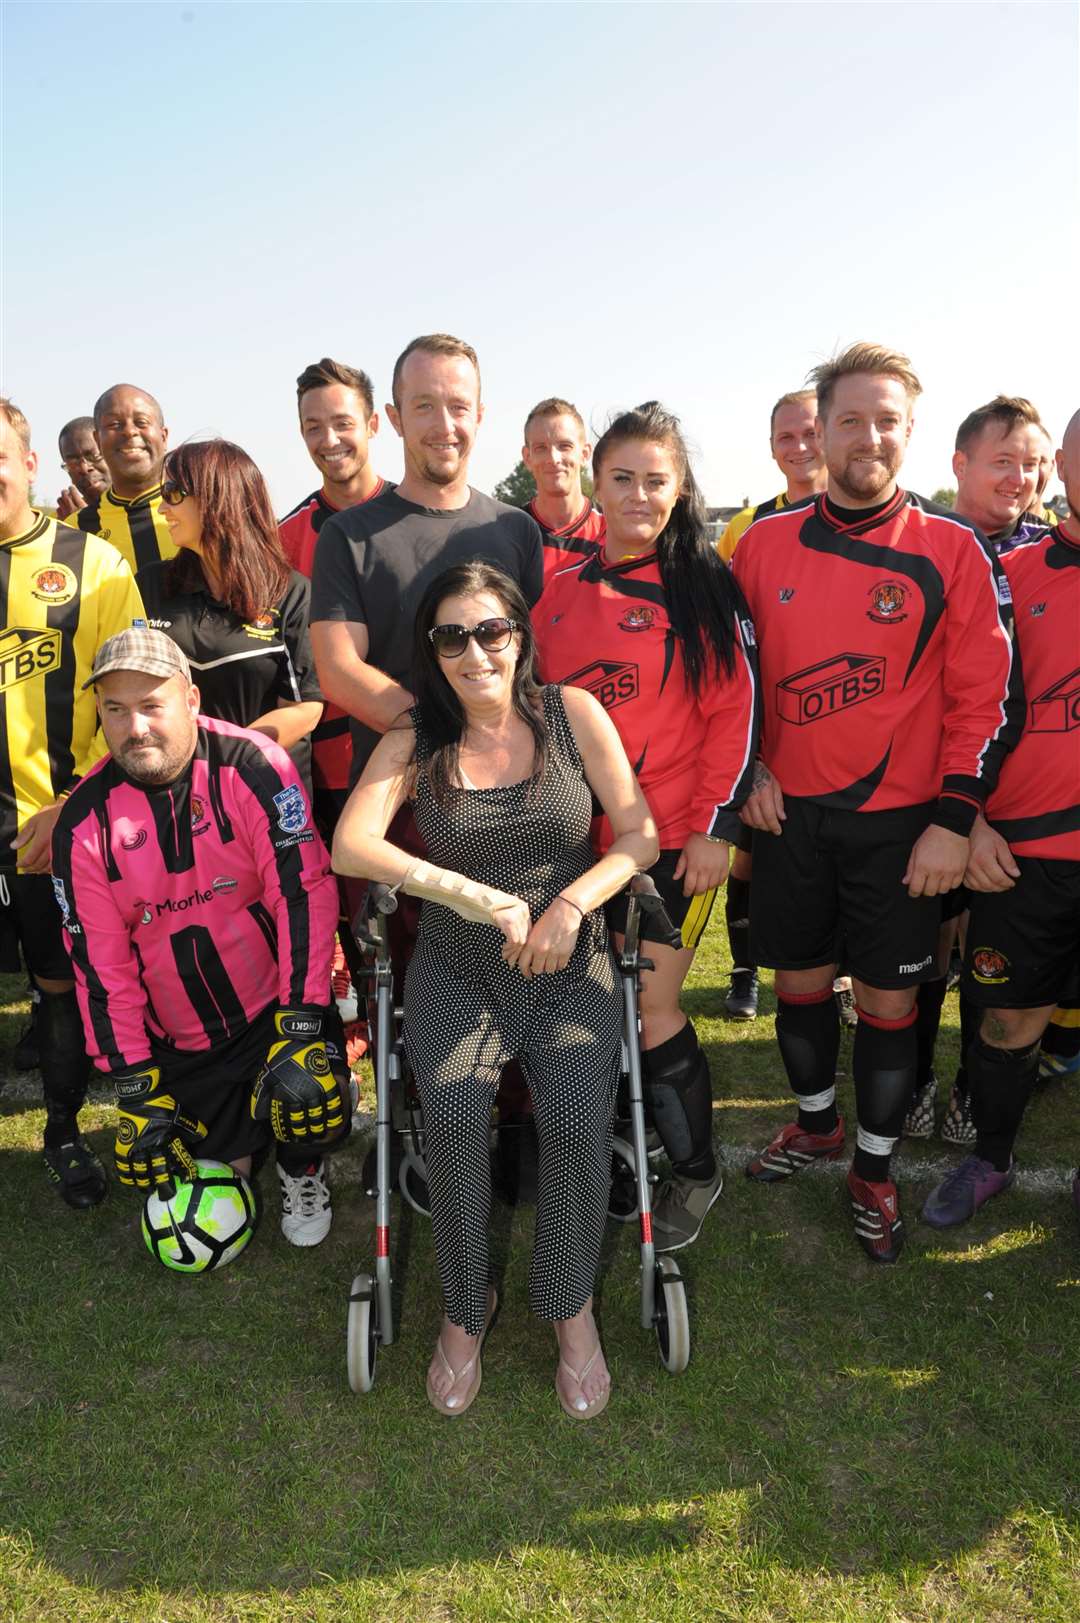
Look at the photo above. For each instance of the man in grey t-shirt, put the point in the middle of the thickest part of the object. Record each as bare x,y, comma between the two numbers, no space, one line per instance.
373,562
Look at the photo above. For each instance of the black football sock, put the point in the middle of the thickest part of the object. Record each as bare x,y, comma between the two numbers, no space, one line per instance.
808,1034
678,1087
1002,1081
64,1065
970,1021
737,916
883,1061
927,1024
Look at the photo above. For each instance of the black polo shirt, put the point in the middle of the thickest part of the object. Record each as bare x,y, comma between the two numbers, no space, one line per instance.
242,669
374,562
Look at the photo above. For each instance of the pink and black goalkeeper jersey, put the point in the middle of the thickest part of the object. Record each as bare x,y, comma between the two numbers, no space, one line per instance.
189,910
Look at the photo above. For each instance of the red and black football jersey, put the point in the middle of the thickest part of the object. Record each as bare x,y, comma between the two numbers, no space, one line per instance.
888,675
605,627
1036,804
566,546
331,743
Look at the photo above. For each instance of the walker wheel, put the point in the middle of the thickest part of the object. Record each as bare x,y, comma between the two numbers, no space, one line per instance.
672,1317
412,1182
362,1345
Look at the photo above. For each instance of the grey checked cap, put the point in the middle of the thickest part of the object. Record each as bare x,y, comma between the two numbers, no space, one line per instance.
139,649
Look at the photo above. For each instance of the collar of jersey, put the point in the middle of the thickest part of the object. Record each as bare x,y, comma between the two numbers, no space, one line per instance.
40,525
861,526
567,528
144,496
635,561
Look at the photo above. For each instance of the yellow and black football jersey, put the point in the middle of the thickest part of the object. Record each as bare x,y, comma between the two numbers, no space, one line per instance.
738,526
136,528
61,594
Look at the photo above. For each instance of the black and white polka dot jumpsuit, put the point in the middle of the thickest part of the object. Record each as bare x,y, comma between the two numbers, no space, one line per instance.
467,1012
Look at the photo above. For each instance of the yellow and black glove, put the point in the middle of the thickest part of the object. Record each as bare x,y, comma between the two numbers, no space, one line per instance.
300,1088
150,1148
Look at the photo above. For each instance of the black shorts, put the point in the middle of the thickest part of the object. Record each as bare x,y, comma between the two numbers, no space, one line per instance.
30,919
214,1086
744,840
1023,945
955,902
829,887
689,914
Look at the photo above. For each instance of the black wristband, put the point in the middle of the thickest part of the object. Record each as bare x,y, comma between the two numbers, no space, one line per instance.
958,816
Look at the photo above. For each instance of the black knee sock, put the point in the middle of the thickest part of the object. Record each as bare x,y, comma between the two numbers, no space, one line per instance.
737,915
1002,1081
808,1034
678,1088
970,1021
64,1065
928,1003
883,1061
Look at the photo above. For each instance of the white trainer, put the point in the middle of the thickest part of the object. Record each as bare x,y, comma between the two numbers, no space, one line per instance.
306,1212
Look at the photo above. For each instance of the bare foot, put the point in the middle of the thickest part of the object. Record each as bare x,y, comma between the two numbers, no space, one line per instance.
452,1371
582,1378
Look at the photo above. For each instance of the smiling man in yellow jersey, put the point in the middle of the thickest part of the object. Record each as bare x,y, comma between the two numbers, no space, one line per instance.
61,595
795,450
133,438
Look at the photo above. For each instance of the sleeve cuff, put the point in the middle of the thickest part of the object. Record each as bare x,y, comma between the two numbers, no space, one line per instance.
958,816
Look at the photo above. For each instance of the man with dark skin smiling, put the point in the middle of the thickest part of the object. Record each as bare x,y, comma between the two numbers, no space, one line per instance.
133,439
84,465
890,687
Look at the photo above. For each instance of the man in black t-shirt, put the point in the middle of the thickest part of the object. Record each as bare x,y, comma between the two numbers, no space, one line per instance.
373,562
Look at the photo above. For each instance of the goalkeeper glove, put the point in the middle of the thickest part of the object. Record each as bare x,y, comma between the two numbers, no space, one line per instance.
150,1148
299,1089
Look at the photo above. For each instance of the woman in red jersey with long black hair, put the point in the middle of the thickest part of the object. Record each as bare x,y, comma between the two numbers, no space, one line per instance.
670,655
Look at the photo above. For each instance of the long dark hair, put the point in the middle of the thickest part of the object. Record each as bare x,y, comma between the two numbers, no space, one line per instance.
239,531
440,710
702,597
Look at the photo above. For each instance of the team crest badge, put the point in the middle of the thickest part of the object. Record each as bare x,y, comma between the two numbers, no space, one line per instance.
989,966
887,601
639,618
292,809
56,584
199,825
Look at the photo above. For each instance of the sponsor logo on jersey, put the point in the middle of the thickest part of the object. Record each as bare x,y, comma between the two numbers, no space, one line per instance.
261,626
134,842
1004,589
748,636
608,680
181,904
290,840
292,809
786,593
198,815
830,686
913,969
1057,708
222,886
989,966
1037,609
638,618
887,601
160,625
25,654
55,584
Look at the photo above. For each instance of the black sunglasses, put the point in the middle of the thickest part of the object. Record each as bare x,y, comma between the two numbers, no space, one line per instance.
450,642
173,494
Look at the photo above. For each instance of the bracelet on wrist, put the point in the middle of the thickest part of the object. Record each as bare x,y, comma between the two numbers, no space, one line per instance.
562,897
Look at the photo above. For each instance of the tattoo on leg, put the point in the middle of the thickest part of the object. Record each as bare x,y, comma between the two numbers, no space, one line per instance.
995,1030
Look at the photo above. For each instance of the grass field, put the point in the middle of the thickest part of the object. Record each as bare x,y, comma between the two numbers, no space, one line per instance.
846,1444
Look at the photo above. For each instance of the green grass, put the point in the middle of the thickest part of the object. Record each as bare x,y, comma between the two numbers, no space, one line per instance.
846,1444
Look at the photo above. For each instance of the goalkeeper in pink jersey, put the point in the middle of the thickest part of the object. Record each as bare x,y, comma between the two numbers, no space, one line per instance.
199,911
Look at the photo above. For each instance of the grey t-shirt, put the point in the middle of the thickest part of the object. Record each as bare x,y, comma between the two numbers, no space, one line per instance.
374,562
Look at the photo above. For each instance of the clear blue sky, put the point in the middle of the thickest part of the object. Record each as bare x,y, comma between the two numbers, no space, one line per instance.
611,202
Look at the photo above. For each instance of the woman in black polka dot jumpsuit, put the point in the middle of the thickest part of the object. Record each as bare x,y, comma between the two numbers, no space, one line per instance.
502,774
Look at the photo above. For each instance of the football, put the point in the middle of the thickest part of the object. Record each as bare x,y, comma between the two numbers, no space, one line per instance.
204,1224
